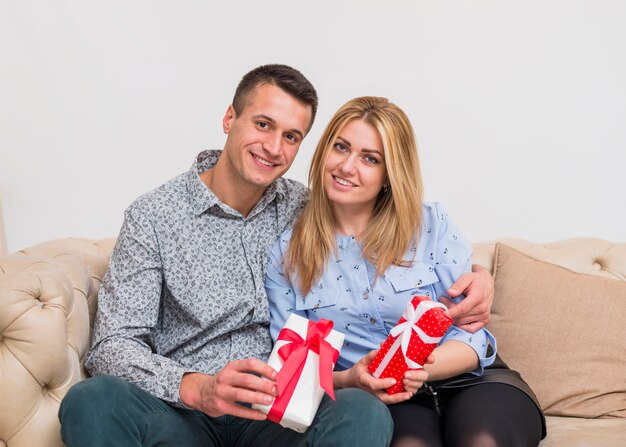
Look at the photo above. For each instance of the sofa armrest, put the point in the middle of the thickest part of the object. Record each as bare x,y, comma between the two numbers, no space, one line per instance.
47,294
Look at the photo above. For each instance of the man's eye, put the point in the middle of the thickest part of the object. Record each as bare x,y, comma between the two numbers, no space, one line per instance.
291,137
262,124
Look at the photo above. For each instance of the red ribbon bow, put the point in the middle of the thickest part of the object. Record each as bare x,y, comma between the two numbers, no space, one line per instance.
294,354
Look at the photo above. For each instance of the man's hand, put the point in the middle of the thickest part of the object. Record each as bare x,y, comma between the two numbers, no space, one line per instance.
219,394
473,313
360,377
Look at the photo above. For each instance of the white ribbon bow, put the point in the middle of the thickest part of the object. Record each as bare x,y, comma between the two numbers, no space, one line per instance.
412,316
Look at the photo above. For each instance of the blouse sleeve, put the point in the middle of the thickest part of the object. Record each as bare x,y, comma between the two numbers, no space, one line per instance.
453,252
453,257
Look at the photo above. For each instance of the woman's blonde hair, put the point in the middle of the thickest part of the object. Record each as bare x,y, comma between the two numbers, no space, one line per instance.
397,215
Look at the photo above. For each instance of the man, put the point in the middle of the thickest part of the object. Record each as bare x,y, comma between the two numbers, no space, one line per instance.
181,335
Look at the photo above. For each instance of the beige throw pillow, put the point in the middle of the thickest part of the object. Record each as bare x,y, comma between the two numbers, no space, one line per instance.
565,332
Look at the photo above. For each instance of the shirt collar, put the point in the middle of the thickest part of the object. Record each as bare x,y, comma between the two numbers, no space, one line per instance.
202,198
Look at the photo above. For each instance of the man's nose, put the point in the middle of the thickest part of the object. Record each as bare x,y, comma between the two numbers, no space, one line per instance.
273,143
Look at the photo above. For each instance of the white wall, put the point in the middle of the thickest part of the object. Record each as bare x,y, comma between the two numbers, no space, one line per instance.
519,107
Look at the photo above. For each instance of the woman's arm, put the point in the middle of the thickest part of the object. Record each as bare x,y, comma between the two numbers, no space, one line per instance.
453,265
451,358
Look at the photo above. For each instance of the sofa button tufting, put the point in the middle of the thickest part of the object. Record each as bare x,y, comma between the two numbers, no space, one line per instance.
597,266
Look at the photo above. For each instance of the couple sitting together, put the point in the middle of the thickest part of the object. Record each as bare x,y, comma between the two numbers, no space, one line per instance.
208,267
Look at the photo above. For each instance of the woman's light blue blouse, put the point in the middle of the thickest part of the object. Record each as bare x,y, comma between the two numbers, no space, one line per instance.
366,310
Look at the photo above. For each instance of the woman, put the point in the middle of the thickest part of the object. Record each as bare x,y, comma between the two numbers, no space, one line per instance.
363,246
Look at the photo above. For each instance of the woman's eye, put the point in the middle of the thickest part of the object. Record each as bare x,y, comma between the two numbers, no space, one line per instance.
340,147
371,160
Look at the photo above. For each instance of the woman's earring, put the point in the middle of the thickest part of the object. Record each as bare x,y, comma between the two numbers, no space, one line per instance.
385,188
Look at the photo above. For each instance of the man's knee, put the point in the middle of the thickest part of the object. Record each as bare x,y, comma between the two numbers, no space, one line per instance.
92,401
96,410
364,406
358,416
96,392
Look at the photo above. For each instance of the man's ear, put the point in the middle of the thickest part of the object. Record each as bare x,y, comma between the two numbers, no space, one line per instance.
229,116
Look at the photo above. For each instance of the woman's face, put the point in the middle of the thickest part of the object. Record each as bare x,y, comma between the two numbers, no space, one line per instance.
355,167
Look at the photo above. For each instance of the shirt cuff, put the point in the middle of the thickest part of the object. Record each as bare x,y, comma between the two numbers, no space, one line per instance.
170,389
479,342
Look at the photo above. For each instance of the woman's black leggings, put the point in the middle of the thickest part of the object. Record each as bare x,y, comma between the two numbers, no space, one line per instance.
485,415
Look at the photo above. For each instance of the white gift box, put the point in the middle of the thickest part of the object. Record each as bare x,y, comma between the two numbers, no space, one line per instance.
307,395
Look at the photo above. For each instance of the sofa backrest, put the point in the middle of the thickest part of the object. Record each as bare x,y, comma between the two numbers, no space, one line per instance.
583,255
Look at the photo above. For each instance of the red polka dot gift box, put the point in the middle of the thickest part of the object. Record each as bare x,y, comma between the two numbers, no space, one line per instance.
418,332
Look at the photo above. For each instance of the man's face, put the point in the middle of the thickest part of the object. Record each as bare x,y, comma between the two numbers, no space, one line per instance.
264,139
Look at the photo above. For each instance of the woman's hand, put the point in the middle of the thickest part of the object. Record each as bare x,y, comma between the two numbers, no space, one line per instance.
359,377
414,378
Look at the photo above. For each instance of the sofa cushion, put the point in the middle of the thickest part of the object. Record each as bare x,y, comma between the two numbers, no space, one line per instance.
565,332
581,432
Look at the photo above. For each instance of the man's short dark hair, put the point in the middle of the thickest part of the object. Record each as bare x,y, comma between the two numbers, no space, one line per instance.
282,76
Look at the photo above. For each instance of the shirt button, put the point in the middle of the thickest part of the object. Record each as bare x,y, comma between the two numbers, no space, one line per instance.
373,320
365,295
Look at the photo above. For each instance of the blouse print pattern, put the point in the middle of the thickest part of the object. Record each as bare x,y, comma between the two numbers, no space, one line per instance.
365,309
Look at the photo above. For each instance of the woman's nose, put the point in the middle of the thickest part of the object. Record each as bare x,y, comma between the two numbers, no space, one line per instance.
348,165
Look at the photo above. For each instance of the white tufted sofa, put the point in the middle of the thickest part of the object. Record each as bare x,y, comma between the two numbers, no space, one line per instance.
48,297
